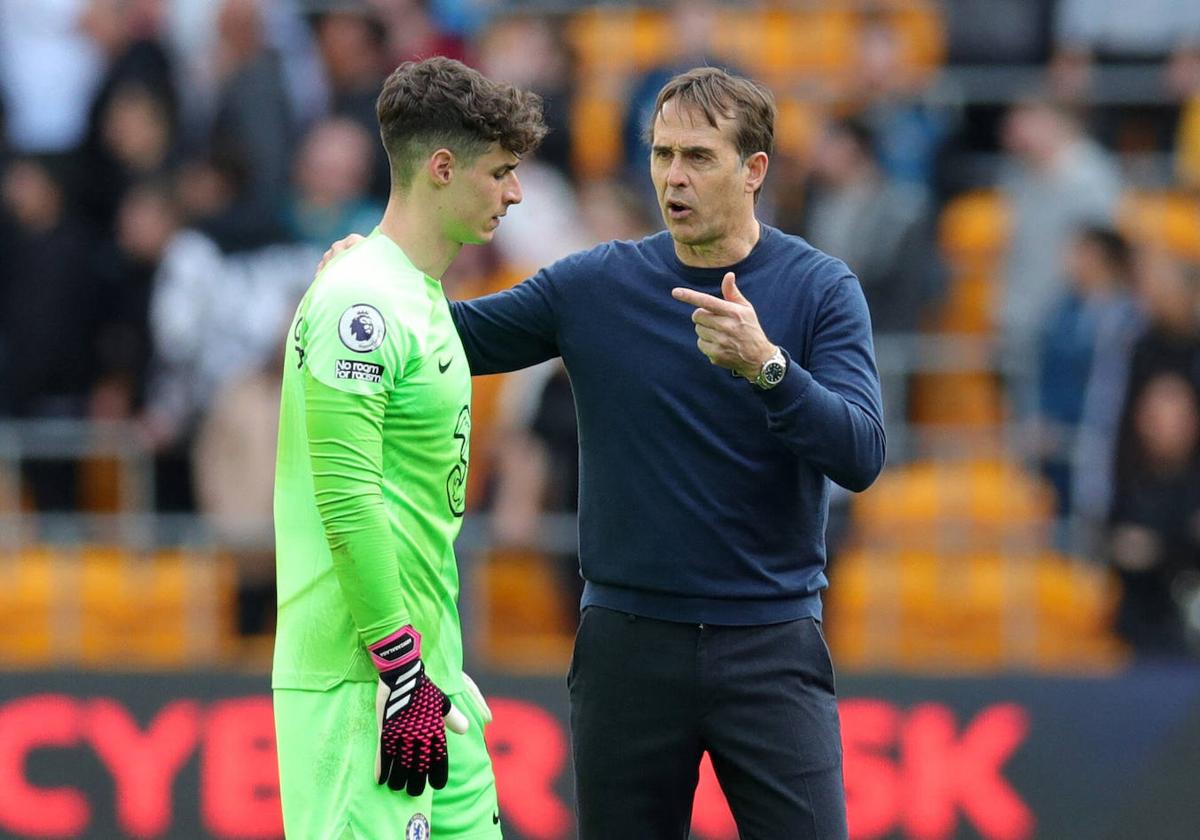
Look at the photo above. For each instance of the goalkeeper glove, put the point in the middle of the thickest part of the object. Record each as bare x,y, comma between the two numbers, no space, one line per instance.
413,714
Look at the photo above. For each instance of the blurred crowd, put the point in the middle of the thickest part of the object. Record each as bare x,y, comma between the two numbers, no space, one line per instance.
171,170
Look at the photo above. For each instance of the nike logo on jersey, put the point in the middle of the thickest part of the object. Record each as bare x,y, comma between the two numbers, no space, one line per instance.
443,367
495,818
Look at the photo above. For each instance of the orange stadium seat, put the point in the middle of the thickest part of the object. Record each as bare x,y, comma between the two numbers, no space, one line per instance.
972,399
974,228
104,606
1167,219
952,570
922,34
524,625
28,608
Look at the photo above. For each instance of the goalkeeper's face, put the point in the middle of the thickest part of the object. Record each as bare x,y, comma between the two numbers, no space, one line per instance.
479,194
705,189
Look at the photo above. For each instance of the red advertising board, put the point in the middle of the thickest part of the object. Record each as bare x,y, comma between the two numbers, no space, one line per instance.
95,755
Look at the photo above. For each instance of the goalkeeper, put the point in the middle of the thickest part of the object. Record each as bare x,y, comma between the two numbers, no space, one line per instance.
369,487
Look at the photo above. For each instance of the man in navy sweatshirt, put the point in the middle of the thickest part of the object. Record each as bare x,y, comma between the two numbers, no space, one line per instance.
723,374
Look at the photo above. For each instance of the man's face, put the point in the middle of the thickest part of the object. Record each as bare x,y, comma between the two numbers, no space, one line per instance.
479,193
704,188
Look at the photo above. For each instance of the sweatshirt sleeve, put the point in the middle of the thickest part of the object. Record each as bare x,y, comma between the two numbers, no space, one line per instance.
512,329
345,444
830,412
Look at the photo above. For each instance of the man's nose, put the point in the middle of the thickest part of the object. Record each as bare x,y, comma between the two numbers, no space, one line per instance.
676,174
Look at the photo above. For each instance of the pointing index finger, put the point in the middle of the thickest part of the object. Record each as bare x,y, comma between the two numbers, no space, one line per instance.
698,299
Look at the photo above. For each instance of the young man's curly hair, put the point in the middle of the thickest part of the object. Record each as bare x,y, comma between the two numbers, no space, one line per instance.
442,103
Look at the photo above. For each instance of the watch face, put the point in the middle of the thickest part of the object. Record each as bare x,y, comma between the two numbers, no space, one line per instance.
773,372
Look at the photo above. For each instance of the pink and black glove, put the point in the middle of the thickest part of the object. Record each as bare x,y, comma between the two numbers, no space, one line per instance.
413,714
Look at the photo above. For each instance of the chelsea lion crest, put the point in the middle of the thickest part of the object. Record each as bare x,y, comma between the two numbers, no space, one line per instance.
361,328
418,828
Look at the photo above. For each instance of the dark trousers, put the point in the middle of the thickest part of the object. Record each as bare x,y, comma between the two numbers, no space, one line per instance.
649,697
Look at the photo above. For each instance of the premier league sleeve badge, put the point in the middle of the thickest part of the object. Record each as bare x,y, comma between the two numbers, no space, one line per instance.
361,328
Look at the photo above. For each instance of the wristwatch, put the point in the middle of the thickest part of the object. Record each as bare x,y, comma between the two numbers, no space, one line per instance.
772,371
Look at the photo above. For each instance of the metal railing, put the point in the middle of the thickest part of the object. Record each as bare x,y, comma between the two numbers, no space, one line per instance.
137,530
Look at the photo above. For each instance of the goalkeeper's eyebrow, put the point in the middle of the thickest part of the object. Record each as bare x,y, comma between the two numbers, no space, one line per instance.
503,170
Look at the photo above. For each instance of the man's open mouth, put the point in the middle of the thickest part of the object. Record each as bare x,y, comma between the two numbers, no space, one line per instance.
677,209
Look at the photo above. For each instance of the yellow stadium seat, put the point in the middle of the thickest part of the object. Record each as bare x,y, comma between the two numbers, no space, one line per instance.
922,35
28,608
969,304
957,399
524,628
974,228
951,569
1167,219
169,609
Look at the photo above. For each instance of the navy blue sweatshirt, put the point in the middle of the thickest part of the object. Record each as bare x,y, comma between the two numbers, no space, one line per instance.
702,498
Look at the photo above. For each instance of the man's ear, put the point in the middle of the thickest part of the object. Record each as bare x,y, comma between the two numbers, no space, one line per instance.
441,167
756,171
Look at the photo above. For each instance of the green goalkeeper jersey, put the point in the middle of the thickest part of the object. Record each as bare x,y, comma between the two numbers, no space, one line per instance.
371,471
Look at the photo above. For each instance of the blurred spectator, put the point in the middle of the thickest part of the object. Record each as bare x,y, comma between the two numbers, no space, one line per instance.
46,112
352,42
886,94
1170,292
530,52
136,143
1097,271
613,210
133,116
1089,33
987,33
691,25
1155,537
462,18
212,318
330,177
539,474
234,467
251,136
51,309
192,31
1056,181
881,227
1119,325
413,33
146,220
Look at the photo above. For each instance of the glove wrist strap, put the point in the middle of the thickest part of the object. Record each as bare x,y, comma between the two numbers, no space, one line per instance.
397,650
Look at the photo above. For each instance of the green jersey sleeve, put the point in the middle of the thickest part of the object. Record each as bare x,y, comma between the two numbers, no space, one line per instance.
349,344
345,443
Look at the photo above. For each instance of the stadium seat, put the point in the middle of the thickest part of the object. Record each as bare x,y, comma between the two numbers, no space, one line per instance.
1168,219
524,628
106,606
29,608
974,229
951,570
